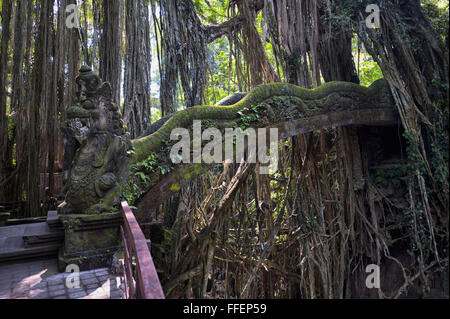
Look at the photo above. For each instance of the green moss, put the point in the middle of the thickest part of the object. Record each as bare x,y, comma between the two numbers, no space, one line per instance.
153,143
265,105
77,112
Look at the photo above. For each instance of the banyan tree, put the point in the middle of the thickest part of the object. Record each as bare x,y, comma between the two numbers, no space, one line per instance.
356,91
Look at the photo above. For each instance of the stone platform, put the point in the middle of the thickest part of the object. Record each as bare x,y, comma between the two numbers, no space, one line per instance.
30,240
39,279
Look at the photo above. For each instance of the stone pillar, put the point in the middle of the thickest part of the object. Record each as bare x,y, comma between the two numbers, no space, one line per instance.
90,240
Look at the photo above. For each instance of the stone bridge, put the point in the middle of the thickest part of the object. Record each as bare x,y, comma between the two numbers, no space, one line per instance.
291,109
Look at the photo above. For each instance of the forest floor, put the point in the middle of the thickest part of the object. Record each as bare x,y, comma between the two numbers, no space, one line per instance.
40,279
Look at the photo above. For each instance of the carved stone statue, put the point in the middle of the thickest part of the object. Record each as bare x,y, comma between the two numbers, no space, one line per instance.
97,149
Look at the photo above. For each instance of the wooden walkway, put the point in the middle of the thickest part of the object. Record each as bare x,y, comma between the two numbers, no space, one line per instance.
22,276
39,279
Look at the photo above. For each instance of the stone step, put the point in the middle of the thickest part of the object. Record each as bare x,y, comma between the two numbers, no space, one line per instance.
34,241
26,241
13,248
41,234
53,220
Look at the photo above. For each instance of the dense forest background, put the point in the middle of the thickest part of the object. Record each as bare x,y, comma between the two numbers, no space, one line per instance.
341,198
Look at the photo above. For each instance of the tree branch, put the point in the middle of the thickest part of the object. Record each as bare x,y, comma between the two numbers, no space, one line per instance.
214,32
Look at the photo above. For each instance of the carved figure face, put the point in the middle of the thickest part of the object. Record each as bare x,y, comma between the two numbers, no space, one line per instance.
88,116
95,113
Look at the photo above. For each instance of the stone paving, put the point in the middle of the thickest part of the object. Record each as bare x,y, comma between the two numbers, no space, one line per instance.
40,280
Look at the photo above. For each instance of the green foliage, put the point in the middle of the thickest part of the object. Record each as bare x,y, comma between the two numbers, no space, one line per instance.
159,251
415,160
268,48
415,223
221,70
164,169
221,76
392,174
212,11
369,70
148,164
156,114
138,175
251,114
437,12
139,179
141,175
439,155
225,74
129,192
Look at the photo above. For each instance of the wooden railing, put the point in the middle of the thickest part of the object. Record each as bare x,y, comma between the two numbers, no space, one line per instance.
141,278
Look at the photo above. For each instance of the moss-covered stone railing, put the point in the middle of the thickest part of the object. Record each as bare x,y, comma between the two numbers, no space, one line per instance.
291,109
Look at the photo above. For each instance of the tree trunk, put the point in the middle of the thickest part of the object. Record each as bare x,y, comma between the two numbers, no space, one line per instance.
137,97
111,46
6,16
184,54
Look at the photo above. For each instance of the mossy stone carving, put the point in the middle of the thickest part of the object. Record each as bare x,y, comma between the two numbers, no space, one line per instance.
99,164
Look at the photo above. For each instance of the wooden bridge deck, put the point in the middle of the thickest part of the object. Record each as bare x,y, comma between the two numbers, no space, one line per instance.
22,276
39,279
